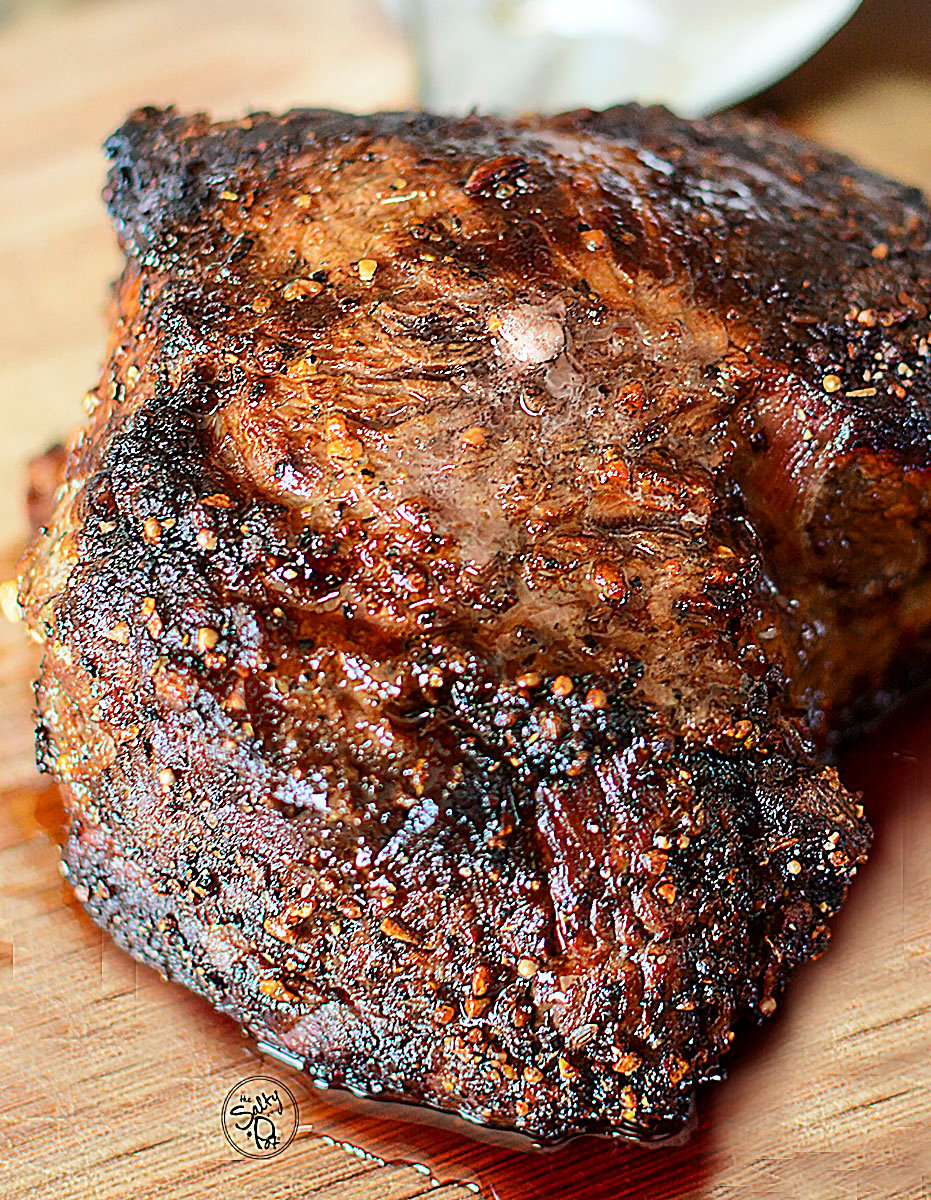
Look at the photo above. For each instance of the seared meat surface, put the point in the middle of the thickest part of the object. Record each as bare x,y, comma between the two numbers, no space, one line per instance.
478,534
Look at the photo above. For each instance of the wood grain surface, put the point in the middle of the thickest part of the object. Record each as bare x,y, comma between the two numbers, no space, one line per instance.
113,1080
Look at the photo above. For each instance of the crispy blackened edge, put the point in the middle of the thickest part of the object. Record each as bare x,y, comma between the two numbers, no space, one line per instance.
167,167
135,897
195,172
829,262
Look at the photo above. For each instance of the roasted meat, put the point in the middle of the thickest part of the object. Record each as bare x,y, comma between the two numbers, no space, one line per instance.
478,535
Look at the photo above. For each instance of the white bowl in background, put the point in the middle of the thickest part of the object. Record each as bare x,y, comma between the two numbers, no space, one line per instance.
693,55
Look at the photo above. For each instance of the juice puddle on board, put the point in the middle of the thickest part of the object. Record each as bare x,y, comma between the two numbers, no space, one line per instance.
584,1169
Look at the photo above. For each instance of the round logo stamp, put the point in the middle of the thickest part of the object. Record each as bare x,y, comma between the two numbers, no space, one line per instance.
259,1117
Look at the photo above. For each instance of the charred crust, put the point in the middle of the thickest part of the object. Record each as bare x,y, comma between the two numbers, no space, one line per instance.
828,260
446,606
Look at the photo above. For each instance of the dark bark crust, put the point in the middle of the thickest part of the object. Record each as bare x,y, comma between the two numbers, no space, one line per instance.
477,534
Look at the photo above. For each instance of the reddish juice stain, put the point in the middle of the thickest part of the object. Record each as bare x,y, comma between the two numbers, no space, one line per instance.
48,813
589,1168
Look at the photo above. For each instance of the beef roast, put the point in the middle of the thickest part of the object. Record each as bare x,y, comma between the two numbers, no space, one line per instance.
478,535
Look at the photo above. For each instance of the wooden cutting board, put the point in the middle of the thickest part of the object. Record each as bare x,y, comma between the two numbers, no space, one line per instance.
113,1080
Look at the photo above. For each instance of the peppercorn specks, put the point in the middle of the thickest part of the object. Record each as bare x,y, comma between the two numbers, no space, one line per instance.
303,289
207,638
9,600
439,557
397,930
152,530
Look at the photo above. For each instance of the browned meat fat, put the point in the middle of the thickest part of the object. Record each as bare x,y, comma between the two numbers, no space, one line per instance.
478,534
